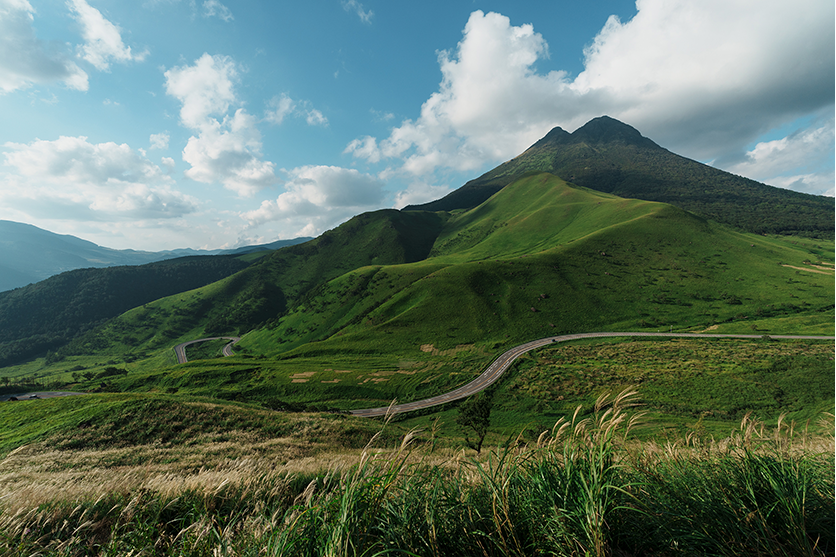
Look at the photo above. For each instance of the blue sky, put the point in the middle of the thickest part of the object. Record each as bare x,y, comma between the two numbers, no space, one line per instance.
162,124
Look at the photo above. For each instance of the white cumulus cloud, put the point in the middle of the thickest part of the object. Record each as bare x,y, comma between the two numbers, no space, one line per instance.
95,180
704,79
25,60
205,89
102,39
317,198
802,161
225,150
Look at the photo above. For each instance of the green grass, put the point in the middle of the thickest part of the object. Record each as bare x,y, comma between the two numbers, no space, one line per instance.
582,488
539,258
126,419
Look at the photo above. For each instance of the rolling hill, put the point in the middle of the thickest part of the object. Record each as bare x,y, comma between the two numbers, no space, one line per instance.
613,157
408,304
45,316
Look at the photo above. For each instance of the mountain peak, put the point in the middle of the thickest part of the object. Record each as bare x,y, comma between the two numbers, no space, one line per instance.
609,130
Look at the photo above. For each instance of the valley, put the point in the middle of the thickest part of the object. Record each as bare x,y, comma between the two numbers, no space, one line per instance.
570,313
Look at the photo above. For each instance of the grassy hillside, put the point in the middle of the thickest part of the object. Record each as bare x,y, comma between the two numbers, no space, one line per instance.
360,316
609,156
49,314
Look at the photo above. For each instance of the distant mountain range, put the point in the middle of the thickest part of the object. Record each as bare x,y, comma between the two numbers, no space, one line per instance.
29,254
612,157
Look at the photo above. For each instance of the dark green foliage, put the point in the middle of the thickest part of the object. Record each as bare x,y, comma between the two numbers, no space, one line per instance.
612,157
47,315
475,415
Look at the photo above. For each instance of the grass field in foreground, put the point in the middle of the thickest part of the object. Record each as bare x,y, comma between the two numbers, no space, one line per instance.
583,488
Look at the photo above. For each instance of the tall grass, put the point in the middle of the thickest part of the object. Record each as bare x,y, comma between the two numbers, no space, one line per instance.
584,488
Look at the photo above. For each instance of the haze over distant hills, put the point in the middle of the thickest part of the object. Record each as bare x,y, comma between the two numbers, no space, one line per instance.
30,254
610,156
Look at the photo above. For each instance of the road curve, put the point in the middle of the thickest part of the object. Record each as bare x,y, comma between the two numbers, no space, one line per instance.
180,349
504,361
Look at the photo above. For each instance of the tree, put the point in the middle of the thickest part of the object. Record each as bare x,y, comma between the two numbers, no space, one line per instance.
475,414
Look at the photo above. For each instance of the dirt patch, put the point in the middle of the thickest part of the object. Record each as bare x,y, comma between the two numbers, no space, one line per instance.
331,381
298,380
343,371
807,269
301,375
431,349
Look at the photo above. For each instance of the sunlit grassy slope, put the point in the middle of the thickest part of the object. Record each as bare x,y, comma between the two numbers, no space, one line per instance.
407,305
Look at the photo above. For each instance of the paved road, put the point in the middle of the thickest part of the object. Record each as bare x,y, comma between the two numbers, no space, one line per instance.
38,395
180,349
503,362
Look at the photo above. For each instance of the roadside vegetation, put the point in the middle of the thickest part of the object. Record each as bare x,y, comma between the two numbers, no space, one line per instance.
583,487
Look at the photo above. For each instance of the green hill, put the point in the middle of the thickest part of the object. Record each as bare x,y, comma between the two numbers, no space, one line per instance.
409,304
612,157
48,314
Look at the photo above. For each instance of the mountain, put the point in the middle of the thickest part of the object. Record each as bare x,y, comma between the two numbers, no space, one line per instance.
613,157
48,314
29,254
396,304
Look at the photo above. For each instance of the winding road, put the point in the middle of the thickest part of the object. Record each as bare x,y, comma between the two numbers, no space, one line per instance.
180,349
500,365
504,361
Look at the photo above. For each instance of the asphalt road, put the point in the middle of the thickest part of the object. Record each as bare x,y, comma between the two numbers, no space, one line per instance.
504,361
180,349
37,395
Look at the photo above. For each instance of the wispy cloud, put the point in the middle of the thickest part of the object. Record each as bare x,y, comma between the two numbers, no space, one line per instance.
282,106
356,7
25,60
213,8
102,39
159,140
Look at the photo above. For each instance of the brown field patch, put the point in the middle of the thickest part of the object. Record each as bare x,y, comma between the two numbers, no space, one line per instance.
809,270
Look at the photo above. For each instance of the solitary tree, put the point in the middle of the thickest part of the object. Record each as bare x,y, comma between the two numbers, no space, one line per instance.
475,414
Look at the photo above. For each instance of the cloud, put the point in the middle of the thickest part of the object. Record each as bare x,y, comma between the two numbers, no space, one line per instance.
278,108
357,7
317,198
704,79
205,89
226,150
108,180
214,8
710,77
230,152
420,192
25,60
102,39
159,140
801,161
282,106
